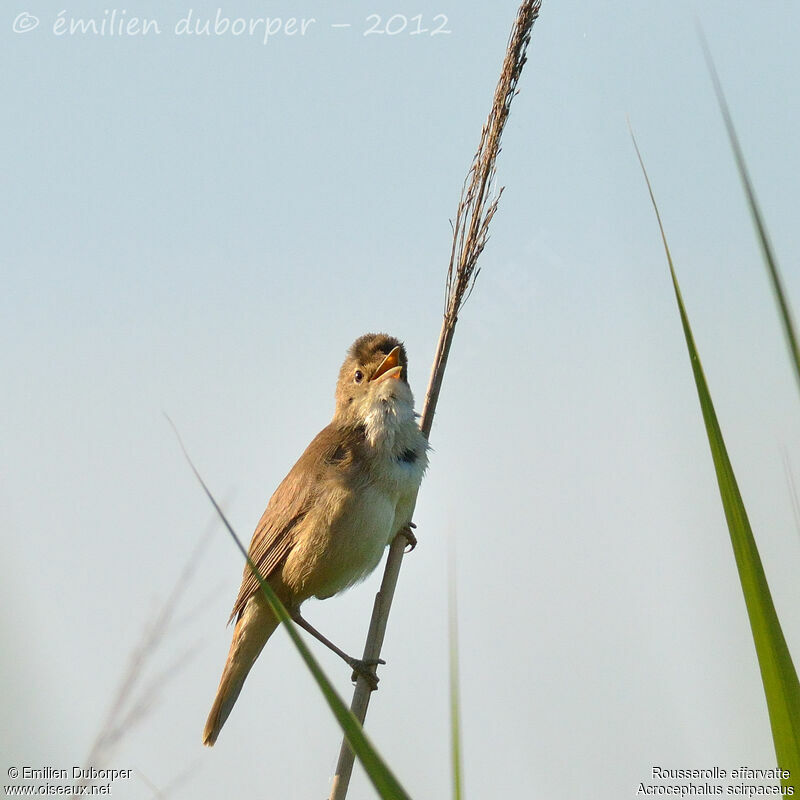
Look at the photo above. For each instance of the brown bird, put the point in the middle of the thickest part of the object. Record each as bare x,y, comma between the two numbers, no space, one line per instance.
328,523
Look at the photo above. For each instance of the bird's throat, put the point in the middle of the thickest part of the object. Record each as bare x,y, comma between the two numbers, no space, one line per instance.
384,420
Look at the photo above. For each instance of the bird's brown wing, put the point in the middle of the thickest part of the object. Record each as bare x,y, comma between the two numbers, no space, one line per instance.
331,450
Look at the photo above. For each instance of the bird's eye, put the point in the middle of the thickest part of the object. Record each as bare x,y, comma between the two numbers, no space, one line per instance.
359,376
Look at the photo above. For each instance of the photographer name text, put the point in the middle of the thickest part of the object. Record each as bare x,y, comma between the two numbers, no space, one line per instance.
119,23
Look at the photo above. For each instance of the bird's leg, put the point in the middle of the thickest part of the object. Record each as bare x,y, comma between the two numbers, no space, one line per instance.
409,534
365,668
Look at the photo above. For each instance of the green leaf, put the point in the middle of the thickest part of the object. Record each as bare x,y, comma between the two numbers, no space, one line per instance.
777,670
455,702
387,786
770,261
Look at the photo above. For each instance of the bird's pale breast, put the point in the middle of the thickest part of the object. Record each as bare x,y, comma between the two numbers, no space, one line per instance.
343,537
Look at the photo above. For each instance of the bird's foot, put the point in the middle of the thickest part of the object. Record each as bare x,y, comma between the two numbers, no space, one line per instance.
410,537
366,669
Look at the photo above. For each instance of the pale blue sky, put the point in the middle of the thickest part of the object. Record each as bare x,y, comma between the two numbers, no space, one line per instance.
203,225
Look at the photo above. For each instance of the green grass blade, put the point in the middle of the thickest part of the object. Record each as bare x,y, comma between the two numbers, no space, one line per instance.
455,686
777,670
387,786
758,220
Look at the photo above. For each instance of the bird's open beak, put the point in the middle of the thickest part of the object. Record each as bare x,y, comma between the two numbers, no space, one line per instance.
389,368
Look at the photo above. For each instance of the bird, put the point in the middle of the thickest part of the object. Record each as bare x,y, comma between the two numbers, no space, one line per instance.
327,524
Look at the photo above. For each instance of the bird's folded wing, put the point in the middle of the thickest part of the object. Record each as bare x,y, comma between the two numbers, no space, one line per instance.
331,451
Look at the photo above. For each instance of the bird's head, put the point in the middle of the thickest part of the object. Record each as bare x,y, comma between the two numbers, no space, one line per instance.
373,381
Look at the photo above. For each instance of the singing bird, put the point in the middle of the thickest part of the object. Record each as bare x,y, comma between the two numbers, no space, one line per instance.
329,521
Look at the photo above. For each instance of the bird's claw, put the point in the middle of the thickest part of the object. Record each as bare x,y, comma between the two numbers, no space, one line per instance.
365,668
410,537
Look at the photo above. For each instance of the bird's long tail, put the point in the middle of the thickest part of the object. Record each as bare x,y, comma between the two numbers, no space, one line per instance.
253,628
